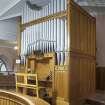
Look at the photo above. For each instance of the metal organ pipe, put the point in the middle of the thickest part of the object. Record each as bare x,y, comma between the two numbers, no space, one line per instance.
40,40
25,34
45,29
48,36
39,36
31,31
55,28
65,3
28,32
52,27
30,35
34,32
49,28
58,34
66,43
43,37
22,48
43,32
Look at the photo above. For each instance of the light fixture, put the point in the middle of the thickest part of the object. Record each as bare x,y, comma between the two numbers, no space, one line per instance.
16,48
17,61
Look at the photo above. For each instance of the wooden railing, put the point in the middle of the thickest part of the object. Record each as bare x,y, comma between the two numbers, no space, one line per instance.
6,72
8,98
7,81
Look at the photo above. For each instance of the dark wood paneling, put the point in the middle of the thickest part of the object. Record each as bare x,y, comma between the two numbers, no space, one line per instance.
7,81
100,78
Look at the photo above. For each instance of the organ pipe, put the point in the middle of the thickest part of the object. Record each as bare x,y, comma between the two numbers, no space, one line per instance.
49,36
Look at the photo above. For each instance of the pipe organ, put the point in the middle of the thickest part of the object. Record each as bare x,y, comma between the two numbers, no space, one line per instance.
66,30
48,36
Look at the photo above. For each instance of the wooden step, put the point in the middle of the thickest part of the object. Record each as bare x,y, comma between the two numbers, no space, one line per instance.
97,99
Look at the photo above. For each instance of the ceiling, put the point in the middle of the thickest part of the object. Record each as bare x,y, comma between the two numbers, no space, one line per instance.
12,8
93,6
5,5
92,2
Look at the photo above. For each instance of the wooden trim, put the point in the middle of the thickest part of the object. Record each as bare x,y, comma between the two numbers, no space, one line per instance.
9,98
81,53
44,19
84,12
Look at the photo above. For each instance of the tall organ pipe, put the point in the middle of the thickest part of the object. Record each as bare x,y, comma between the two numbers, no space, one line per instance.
22,48
47,44
40,33
30,35
43,36
62,42
25,33
58,40
55,29
43,33
46,27
62,34
50,46
28,29
66,43
58,34
34,32
43,11
55,25
52,28
49,30
65,4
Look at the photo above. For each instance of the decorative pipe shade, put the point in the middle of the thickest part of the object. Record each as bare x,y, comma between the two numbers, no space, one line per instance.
40,2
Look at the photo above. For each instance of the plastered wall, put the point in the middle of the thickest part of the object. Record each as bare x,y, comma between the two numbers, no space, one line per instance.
100,39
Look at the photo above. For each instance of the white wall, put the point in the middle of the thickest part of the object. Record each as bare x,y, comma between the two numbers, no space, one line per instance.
8,30
100,39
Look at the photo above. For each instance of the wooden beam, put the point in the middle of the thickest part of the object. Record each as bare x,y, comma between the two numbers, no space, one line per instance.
44,19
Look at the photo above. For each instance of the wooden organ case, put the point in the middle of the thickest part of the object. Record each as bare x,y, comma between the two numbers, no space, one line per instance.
62,29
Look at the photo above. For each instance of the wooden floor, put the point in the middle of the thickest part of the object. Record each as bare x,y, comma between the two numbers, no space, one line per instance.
97,99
